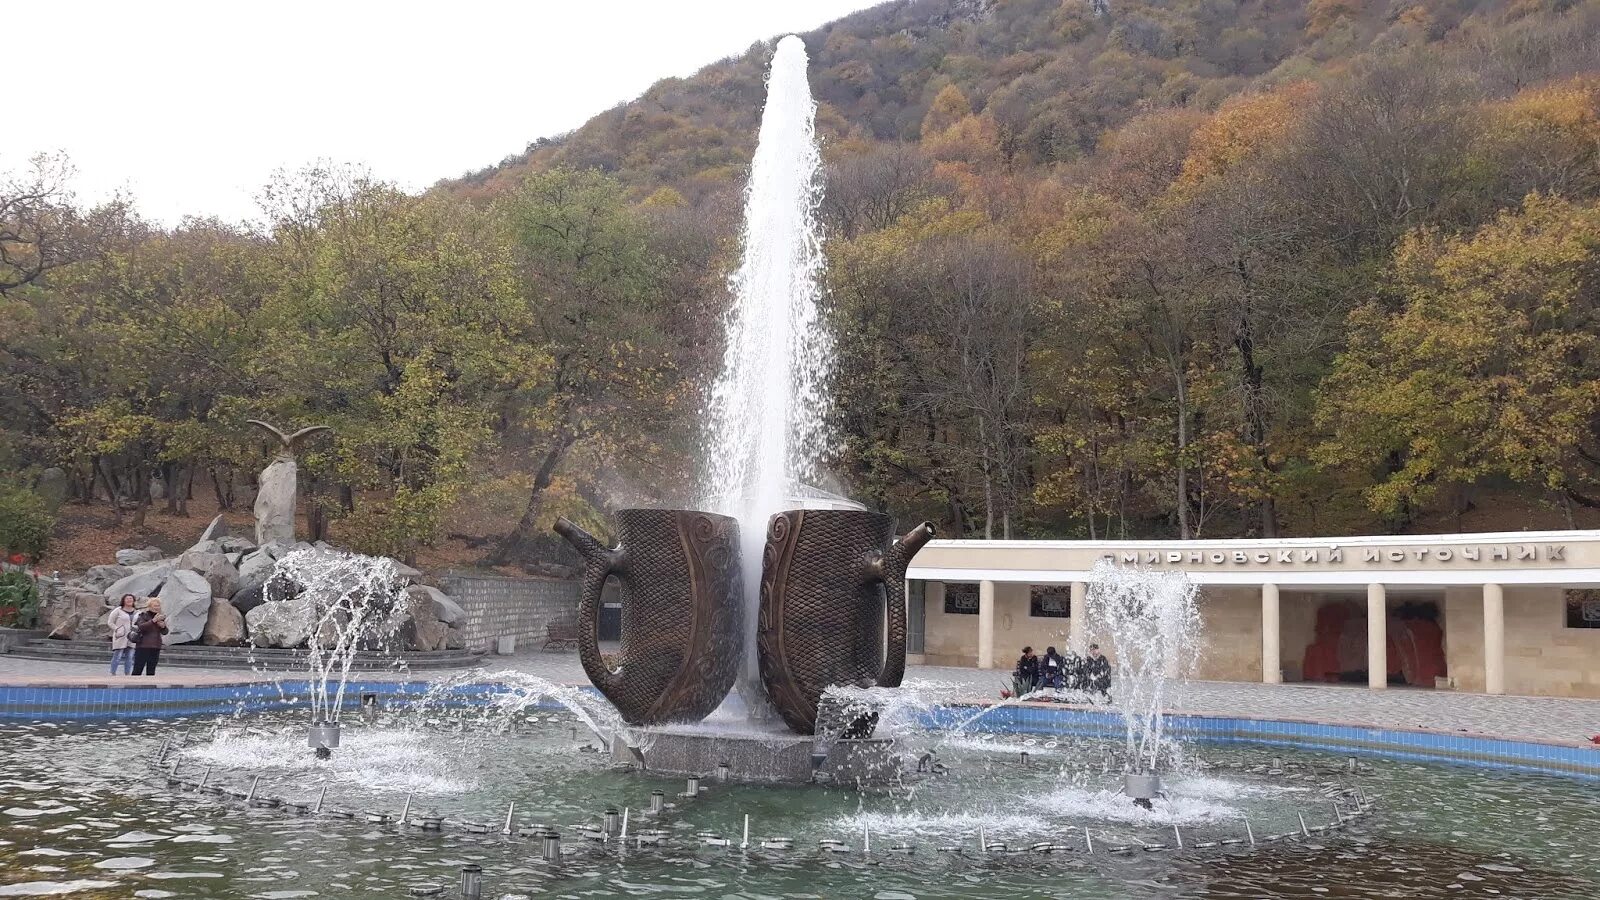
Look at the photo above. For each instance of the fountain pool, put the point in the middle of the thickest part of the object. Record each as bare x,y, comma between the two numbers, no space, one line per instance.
84,812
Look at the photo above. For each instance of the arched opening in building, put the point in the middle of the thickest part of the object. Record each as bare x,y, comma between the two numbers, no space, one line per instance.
1337,651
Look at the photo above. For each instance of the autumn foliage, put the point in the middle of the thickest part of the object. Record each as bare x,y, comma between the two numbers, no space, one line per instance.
1117,269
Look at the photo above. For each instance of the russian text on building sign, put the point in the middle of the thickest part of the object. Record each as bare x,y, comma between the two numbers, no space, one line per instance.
1336,555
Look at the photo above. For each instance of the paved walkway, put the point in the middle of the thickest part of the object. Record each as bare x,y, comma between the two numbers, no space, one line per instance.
1552,719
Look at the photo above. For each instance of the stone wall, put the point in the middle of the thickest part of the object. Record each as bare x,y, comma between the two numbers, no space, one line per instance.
497,606
1543,656
951,639
1230,633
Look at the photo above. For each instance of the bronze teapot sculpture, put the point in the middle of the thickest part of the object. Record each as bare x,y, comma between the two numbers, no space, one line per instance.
682,612
830,581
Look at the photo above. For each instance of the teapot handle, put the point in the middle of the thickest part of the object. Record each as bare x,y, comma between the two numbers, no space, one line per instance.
890,568
598,564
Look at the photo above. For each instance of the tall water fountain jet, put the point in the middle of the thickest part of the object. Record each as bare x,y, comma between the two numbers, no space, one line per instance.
343,603
766,422
1151,623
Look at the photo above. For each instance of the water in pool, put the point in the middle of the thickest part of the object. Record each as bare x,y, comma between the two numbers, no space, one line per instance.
85,813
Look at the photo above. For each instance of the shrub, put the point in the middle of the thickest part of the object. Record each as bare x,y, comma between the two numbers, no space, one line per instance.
19,600
25,523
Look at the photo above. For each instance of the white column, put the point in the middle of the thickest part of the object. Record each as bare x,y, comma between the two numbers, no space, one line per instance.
1377,637
1271,665
1494,639
985,624
1079,622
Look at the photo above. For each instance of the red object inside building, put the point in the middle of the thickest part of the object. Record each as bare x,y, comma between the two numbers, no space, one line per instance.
1337,652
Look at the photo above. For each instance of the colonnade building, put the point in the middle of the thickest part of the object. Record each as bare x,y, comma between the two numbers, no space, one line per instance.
1506,613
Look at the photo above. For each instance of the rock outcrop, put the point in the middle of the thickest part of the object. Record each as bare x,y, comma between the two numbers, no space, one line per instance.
186,601
214,568
444,609
98,578
224,626
142,583
134,557
256,567
80,615
422,629
281,623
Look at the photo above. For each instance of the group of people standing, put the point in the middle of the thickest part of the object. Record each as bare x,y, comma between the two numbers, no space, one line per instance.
136,635
1071,672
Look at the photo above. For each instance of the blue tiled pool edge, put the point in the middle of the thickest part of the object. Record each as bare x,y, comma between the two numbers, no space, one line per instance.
90,702
1420,744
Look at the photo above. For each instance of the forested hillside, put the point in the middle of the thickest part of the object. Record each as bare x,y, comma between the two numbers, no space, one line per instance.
1097,268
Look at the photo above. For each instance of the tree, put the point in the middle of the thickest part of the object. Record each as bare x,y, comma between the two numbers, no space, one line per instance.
589,282
870,189
40,226
1490,368
395,319
976,291
948,107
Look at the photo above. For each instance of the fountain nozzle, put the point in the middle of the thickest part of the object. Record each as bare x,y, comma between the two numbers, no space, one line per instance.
323,736
1142,788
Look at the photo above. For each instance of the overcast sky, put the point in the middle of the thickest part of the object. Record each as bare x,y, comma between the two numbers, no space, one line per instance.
189,106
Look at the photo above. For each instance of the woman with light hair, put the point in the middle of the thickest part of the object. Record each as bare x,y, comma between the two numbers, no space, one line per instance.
149,629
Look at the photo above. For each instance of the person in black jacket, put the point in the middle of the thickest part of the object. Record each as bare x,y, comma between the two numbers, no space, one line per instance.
1026,675
1097,672
1052,670
147,633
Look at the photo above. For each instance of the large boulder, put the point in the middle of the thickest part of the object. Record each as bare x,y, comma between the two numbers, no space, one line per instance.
281,623
406,572
215,569
275,499
444,609
186,601
224,627
143,582
236,544
134,557
256,567
53,486
212,530
455,639
80,615
422,629
250,598
98,578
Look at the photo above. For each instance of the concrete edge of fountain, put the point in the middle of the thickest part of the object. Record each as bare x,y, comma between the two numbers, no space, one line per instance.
101,697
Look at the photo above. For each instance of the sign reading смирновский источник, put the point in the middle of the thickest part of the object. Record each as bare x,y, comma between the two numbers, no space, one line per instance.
1333,554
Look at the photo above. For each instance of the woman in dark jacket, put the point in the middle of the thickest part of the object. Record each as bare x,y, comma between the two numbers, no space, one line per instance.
1026,675
147,633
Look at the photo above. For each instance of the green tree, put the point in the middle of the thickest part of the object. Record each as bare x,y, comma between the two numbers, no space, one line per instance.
590,284
1490,368
394,319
